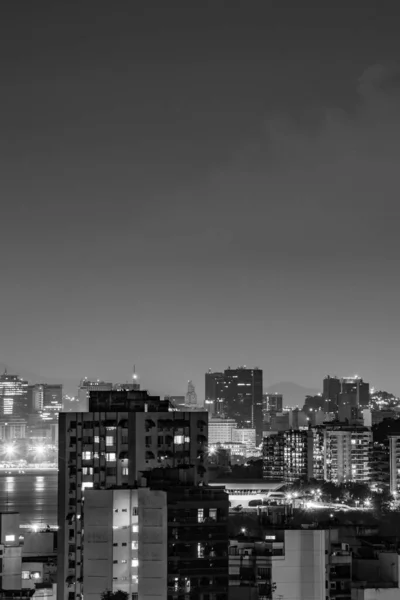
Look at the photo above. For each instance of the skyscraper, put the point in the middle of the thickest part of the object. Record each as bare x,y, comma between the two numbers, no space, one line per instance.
45,398
356,387
124,435
243,398
333,387
191,396
331,391
214,388
13,395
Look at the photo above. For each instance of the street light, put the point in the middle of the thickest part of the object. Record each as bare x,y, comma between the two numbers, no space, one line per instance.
10,450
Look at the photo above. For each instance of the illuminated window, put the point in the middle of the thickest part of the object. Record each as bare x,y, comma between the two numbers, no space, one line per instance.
135,562
87,470
135,545
96,439
125,471
26,575
200,550
87,485
35,575
86,455
111,456
200,515
213,513
124,561
10,538
109,440
135,528
179,439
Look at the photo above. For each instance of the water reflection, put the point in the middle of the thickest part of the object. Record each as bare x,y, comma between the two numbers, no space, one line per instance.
33,496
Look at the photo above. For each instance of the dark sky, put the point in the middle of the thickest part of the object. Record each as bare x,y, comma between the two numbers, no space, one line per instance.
186,185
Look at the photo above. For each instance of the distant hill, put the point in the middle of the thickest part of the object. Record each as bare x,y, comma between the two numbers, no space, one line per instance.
293,394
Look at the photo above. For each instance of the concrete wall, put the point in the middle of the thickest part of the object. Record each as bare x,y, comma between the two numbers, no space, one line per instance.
153,545
98,552
300,574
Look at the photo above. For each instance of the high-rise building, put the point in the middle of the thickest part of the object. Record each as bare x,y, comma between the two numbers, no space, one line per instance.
191,396
124,435
46,399
214,388
239,396
394,464
13,395
347,453
288,456
272,403
244,436
292,564
161,541
355,386
220,430
330,394
333,388
85,387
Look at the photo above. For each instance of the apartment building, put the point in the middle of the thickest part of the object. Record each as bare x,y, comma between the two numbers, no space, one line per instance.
348,451
290,564
164,541
288,456
125,434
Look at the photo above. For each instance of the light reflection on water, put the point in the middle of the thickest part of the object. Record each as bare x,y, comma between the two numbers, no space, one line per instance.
33,496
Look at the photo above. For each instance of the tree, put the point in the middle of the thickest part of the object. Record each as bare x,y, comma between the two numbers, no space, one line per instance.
117,595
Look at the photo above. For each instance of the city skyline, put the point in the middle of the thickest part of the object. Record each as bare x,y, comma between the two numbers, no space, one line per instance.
190,189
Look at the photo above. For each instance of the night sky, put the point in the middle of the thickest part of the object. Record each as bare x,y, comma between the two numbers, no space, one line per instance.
185,186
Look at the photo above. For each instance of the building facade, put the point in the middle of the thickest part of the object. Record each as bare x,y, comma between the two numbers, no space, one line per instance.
124,435
348,453
292,565
13,395
220,430
394,464
288,456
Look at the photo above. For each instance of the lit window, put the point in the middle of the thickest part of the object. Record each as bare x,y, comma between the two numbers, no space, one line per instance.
10,538
187,439
110,456
86,455
179,439
35,575
124,561
26,575
96,439
135,562
200,550
109,440
135,528
87,485
87,470
135,545
212,513
200,515
125,471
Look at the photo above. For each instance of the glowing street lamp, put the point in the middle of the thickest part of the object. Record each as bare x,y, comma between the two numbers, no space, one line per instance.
9,450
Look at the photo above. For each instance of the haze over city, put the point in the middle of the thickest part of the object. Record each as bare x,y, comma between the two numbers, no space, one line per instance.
188,189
